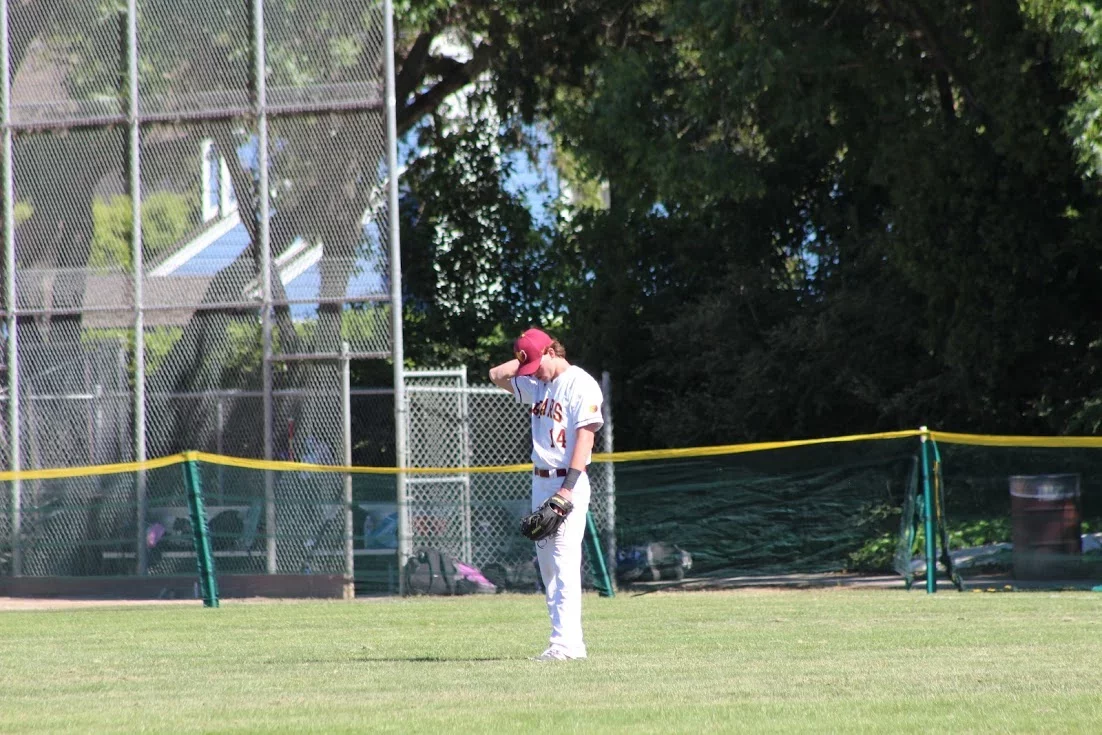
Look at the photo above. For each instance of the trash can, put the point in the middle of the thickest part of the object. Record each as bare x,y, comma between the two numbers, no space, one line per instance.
1045,521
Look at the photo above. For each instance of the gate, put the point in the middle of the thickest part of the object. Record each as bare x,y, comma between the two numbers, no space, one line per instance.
475,515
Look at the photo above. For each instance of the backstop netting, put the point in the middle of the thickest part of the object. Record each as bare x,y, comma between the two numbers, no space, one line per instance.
199,228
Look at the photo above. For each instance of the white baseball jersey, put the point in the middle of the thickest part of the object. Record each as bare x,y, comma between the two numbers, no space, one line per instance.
559,409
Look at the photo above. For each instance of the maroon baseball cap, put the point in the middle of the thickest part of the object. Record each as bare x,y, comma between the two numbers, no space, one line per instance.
529,349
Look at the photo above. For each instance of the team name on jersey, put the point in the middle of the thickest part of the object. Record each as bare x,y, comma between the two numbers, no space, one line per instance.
548,407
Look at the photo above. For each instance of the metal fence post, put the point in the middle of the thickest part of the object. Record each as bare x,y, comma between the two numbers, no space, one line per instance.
263,234
401,417
604,583
220,446
928,511
135,165
346,422
204,559
610,478
465,461
10,301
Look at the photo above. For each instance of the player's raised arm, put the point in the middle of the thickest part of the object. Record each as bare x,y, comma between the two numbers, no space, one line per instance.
502,375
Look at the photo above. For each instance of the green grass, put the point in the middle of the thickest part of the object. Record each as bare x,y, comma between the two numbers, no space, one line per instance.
741,661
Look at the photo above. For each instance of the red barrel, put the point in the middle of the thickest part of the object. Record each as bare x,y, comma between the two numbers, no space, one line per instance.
1045,515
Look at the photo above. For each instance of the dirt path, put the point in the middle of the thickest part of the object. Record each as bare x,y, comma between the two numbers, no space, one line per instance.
61,603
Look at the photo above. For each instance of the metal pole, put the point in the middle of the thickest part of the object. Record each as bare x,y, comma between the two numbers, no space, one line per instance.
592,537
346,416
34,457
91,401
119,410
397,352
10,294
136,255
465,461
220,447
97,426
610,478
204,558
928,511
261,110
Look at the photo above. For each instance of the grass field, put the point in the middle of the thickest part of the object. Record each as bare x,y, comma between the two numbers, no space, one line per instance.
742,661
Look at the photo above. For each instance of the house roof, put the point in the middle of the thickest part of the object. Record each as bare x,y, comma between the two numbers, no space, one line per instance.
109,299
220,245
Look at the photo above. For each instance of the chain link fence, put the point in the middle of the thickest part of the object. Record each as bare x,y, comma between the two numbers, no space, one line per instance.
196,224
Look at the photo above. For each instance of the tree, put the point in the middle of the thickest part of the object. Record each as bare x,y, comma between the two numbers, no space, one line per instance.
872,215
166,218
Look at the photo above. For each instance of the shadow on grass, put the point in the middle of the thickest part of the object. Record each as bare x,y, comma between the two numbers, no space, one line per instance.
430,659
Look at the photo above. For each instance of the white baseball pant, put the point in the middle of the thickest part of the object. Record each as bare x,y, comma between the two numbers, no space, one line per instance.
560,560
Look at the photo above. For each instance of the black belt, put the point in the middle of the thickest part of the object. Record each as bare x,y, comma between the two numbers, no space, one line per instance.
553,473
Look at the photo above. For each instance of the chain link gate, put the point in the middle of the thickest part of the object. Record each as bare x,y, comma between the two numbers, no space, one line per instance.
439,505
475,516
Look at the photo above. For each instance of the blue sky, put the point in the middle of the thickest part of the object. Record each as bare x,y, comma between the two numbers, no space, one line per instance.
528,178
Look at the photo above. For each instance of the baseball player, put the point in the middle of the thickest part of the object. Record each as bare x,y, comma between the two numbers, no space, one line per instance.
565,405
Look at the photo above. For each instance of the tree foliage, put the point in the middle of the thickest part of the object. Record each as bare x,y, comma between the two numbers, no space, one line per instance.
843,216
166,218
465,240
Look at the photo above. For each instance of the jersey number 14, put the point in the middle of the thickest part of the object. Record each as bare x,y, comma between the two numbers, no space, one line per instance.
560,439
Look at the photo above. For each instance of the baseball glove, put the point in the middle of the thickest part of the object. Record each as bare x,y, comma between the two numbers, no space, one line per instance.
545,520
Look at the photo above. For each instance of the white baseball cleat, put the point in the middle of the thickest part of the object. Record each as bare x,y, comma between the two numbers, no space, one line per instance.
554,654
